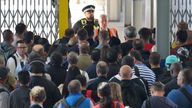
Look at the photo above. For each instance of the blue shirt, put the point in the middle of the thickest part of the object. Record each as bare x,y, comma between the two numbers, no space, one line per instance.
179,98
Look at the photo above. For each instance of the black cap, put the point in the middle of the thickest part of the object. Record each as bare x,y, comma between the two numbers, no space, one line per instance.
3,72
88,7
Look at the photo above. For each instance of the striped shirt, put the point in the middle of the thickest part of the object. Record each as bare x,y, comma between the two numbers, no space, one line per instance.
146,73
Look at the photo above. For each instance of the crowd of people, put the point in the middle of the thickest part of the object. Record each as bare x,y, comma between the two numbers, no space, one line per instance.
91,68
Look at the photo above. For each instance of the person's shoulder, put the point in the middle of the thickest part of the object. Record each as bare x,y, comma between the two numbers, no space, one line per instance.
117,103
173,93
97,106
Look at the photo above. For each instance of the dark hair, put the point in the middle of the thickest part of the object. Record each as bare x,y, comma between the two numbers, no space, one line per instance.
63,49
20,42
36,39
112,55
182,36
7,35
138,44
28,37
136,55
69,32
130,32
127,60
56,59
20,28
72,72
46,47
187,75
114,41
82,80
82,34
105,91
24,77
145,33
43,41
37,66
154,58
95,55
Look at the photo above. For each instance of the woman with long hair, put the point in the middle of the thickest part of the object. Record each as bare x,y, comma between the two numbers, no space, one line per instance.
116,92
104,93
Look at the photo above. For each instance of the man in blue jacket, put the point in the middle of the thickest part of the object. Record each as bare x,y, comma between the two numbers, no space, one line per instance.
183,96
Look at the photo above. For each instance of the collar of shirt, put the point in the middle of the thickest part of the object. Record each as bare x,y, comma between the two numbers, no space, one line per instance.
20,58
34,103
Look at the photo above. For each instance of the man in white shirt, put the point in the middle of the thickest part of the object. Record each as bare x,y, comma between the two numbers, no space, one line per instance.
16,62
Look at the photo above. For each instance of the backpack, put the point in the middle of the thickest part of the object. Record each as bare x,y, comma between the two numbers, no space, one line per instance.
89,95
64,103
145,83
5,53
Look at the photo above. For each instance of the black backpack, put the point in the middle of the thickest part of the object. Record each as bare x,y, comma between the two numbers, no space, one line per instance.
145,83
64,103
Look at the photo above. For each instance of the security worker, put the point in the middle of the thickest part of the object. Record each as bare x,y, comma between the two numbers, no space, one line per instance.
103,23
89,22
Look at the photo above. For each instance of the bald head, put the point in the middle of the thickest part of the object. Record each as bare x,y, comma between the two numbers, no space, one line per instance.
38,49
125,72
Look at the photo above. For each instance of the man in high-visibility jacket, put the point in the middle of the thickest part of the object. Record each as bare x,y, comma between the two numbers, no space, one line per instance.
89,23
103,23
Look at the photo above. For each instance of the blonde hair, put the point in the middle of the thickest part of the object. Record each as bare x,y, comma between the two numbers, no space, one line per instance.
38,94
115,91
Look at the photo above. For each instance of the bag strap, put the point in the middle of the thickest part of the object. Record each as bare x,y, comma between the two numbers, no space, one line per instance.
186,93
3,90
64,104
118,105
79,101
136,71
15,60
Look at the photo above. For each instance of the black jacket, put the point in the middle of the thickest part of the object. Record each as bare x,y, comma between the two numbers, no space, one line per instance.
92,85
133,94
36,106
57,73
52,92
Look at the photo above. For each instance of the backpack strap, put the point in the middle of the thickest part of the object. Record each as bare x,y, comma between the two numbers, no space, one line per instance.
118,105
136,71
79,101
3,90
148,103
15,60
61,104
186,93
89,95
